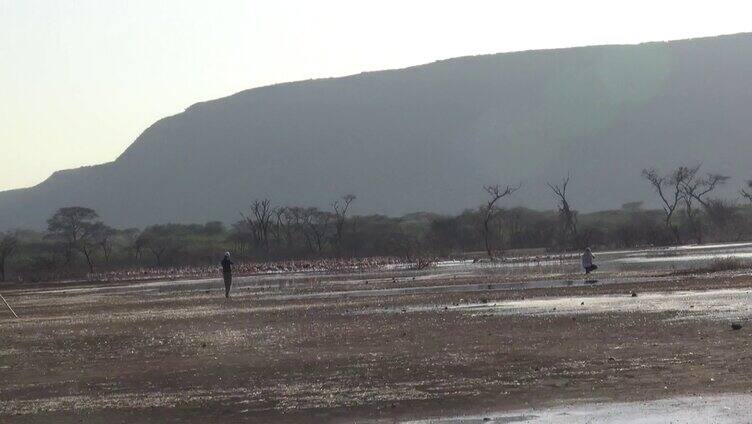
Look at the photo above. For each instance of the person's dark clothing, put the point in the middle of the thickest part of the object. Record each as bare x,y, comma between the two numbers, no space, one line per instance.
591,268
227,265
227,274
228,282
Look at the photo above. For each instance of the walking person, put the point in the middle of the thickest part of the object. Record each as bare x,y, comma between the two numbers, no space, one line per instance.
227,273
587,261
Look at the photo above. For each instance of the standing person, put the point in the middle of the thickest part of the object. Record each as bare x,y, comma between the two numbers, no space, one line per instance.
587,261
227,273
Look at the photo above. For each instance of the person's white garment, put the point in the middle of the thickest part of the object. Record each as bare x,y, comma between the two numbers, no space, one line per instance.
587,259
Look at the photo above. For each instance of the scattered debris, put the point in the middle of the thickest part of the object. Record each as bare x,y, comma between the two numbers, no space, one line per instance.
736,326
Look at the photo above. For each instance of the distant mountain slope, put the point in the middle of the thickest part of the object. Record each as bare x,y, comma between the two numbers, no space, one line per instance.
428,137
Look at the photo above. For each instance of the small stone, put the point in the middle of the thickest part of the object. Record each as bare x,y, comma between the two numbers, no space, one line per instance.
736,326
634,293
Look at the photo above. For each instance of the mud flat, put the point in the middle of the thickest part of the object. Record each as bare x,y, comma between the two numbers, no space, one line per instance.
728,409
459,343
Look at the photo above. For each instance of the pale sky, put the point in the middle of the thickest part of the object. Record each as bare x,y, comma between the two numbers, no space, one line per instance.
81,79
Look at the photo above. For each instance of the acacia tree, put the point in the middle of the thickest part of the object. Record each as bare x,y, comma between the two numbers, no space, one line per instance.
695,189
489,211
8,246
340,218
104,239
160,240
73,226
567,216
669,189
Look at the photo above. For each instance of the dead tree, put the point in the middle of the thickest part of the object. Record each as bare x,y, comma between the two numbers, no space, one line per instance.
669,189
340,218
489,211
698,188
694,189
567,216
259,222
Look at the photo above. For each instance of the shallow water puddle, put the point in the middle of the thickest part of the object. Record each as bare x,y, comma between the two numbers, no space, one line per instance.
711,304
731,408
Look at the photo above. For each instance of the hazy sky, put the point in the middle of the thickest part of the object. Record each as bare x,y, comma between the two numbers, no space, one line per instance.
80,79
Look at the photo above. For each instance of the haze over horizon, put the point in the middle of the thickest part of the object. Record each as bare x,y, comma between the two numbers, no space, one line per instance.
88,78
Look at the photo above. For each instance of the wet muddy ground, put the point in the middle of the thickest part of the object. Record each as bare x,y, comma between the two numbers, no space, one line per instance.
472,341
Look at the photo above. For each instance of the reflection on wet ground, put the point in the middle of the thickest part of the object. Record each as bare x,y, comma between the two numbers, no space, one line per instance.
724,409
727,304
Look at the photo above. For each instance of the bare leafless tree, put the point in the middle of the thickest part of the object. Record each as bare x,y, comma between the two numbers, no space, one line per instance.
340,208
693,189
318,224
567,216
698,188
259,222
669,189
300,221
489,210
